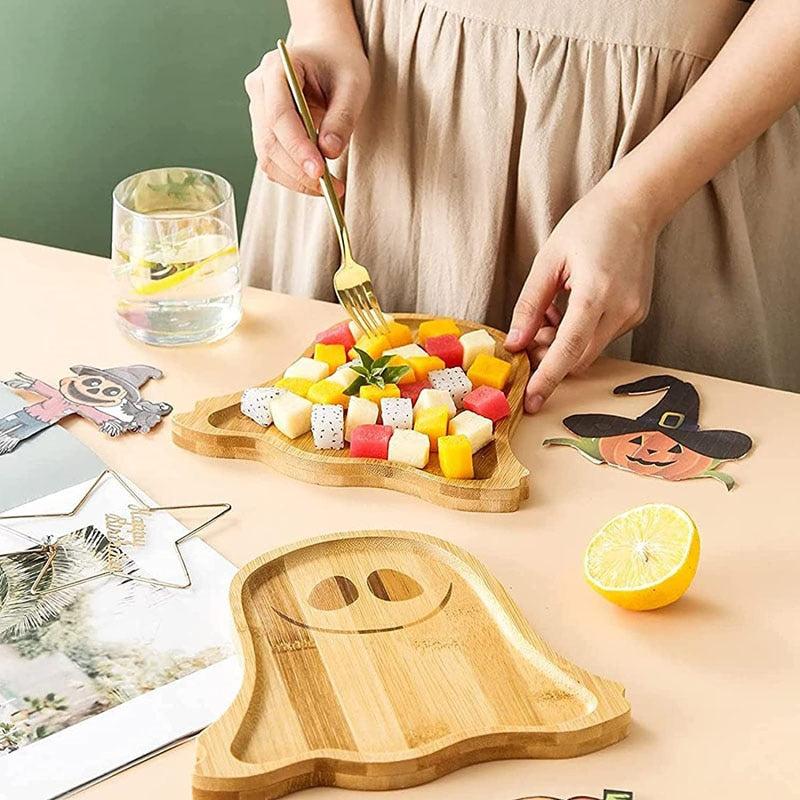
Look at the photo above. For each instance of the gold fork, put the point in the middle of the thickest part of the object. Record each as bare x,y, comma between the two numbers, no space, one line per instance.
351,281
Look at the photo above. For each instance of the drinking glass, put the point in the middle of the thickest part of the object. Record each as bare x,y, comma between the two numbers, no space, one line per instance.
175,257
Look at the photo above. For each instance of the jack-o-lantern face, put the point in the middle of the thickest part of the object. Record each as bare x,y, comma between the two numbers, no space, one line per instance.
653,453
350,591
91,390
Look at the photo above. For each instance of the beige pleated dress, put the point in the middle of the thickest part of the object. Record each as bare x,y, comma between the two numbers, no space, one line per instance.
488,119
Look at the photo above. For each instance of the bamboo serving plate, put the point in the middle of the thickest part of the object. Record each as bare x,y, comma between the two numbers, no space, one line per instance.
385,659
216,427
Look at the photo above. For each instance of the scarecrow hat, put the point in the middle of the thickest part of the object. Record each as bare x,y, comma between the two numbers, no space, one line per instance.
675,415
129,378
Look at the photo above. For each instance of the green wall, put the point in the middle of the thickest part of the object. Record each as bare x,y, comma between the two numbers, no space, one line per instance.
94,90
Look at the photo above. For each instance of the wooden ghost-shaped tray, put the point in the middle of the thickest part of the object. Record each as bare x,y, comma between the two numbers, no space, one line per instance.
216,427
385,659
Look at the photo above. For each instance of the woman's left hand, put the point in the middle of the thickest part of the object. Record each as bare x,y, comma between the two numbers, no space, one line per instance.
603,253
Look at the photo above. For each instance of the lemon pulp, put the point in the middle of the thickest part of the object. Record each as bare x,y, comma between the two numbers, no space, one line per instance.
645,558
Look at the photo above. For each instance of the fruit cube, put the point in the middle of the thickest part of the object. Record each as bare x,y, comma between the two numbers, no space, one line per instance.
406,351
410,447
433,423
327,427
478,429
489,371
355,328
307,368
398,412
447,347
337,334
475,343
436,327
344,376
376,394
454,381
399,361
255,403
333,355
455,457
291,414
399,335
359,412
370,441
430,398
488,402
298,386
373,346
412,390
424,365
328,393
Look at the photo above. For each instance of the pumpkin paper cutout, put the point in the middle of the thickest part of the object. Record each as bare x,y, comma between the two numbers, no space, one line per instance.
384,659
110,398
664,442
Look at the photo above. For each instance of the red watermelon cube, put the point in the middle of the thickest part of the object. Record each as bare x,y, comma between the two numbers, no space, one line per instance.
370,441
412,390
488,402
338,334
447,347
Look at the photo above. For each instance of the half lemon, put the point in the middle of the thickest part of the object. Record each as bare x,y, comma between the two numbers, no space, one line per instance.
645,558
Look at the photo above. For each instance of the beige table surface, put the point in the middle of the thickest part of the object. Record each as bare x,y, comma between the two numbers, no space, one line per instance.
714,681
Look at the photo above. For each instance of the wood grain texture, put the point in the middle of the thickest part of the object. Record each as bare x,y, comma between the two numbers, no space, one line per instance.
216,427
385,659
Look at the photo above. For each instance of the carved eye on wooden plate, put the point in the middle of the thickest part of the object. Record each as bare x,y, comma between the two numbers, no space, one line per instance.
391,585
333,593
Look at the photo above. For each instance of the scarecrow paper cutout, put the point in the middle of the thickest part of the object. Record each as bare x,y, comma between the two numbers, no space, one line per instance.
108,397
665,442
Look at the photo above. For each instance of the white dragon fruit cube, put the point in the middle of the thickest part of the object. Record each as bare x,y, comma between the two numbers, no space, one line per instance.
475,343
410,447
478,429
256,403
360,411
430,398
454,381
291,414
308,368
327,426
397,412
406,351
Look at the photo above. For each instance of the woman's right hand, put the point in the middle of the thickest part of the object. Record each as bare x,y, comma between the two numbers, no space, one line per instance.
335,81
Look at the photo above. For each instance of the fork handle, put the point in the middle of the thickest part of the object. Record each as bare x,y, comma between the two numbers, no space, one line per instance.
326,184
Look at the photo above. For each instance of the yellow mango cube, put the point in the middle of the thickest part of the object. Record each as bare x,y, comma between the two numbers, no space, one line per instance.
433,423
328,393
424,364
436,327
399,334
455,457
298,386
399,361
373,346
376,394
489,371
331,354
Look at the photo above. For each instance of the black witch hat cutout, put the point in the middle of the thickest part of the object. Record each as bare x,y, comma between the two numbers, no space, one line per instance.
665,442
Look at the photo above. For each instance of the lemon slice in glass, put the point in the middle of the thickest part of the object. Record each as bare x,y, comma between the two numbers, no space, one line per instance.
645,558
171,264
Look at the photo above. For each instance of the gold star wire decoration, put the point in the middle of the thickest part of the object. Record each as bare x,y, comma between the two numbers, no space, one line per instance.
117,529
